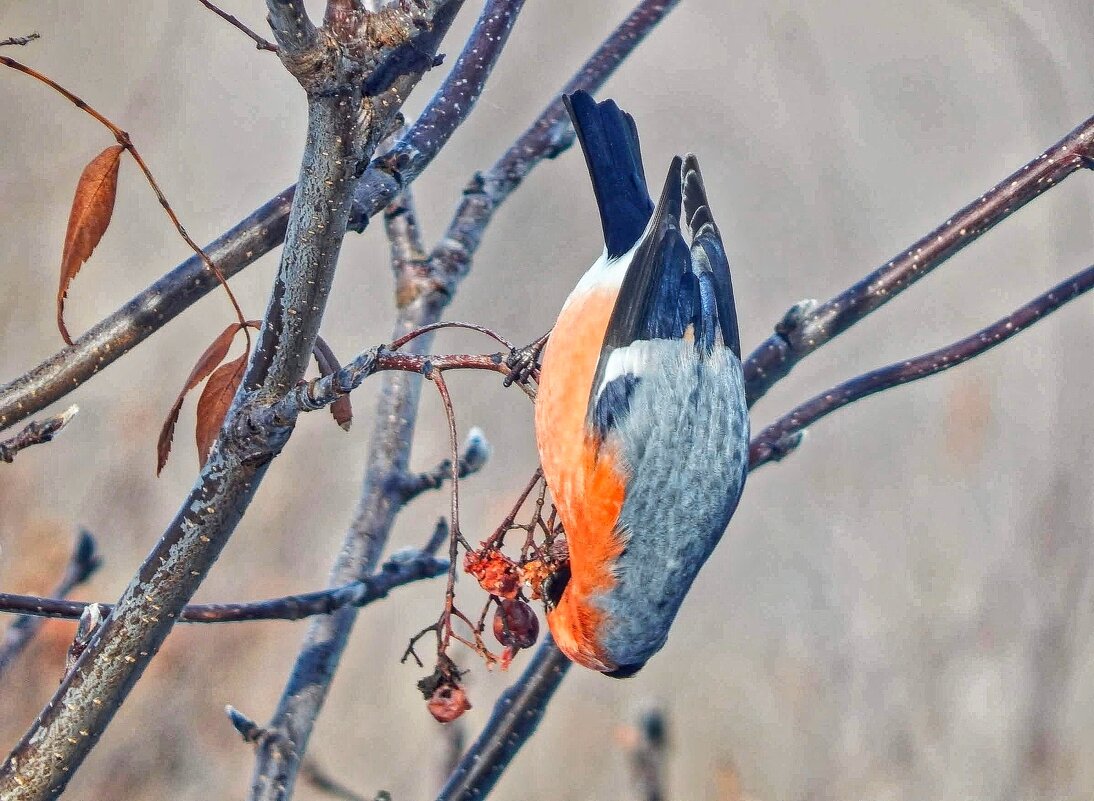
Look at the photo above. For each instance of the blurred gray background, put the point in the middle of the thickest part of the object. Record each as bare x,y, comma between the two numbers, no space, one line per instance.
899,611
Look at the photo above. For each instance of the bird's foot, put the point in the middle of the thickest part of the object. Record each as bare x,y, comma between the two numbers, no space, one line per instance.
523,363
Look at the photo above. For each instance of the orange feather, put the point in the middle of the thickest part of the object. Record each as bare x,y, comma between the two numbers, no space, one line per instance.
587,486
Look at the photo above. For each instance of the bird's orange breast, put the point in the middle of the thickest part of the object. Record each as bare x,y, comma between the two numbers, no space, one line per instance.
587,486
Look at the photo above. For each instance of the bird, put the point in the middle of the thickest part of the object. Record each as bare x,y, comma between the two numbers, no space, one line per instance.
641,417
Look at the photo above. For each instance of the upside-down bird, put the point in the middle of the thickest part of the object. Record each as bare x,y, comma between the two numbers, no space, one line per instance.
641,418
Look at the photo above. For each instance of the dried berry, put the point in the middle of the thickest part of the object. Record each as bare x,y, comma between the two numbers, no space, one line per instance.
515,624
495,572
533,573
448,702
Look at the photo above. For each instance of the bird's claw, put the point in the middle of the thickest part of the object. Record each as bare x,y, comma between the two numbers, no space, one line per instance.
522,362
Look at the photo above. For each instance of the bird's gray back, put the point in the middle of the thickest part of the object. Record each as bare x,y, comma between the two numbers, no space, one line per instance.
685,442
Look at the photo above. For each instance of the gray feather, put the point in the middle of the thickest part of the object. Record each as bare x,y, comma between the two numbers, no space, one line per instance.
685,444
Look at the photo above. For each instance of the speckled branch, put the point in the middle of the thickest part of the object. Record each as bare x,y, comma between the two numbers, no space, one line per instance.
82,564
36,433
419,302
259,233
420,299
338,140
782,436
805,329
403,568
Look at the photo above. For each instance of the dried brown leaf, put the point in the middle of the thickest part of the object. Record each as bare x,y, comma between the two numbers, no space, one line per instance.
341,410
214,402
87,222
206,363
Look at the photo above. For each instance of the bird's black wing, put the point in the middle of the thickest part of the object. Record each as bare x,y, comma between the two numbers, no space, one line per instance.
660,298
709,261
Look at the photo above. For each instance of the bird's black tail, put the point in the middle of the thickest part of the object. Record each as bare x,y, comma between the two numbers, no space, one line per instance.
609,139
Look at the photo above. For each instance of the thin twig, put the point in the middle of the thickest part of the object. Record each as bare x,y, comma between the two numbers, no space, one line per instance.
52,750
36,433
260,43
476,452
783,436
82,564
425,329
20,40
646,745
309,396
402,569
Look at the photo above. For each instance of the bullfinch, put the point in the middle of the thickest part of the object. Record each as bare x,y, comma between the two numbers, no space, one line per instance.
641,418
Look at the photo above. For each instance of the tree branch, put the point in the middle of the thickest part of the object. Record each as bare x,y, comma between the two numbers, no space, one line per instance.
476,452
425,297
21,41
36,433
403,568
82,564
647,753
293,29
420,300
803,331
783,436
337,142
251,239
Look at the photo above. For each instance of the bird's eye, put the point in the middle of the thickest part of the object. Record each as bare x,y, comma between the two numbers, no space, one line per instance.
555,585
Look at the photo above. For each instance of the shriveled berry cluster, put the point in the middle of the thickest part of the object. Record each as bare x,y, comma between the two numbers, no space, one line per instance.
511,583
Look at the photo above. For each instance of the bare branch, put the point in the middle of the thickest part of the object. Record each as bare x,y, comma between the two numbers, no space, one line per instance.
403,568
260,43
647,749
21,41
251,239
401,227
783,436
337,143
82,564
476,452
264,229
294,31
420,301
308,396
800,335
516,715
36,433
